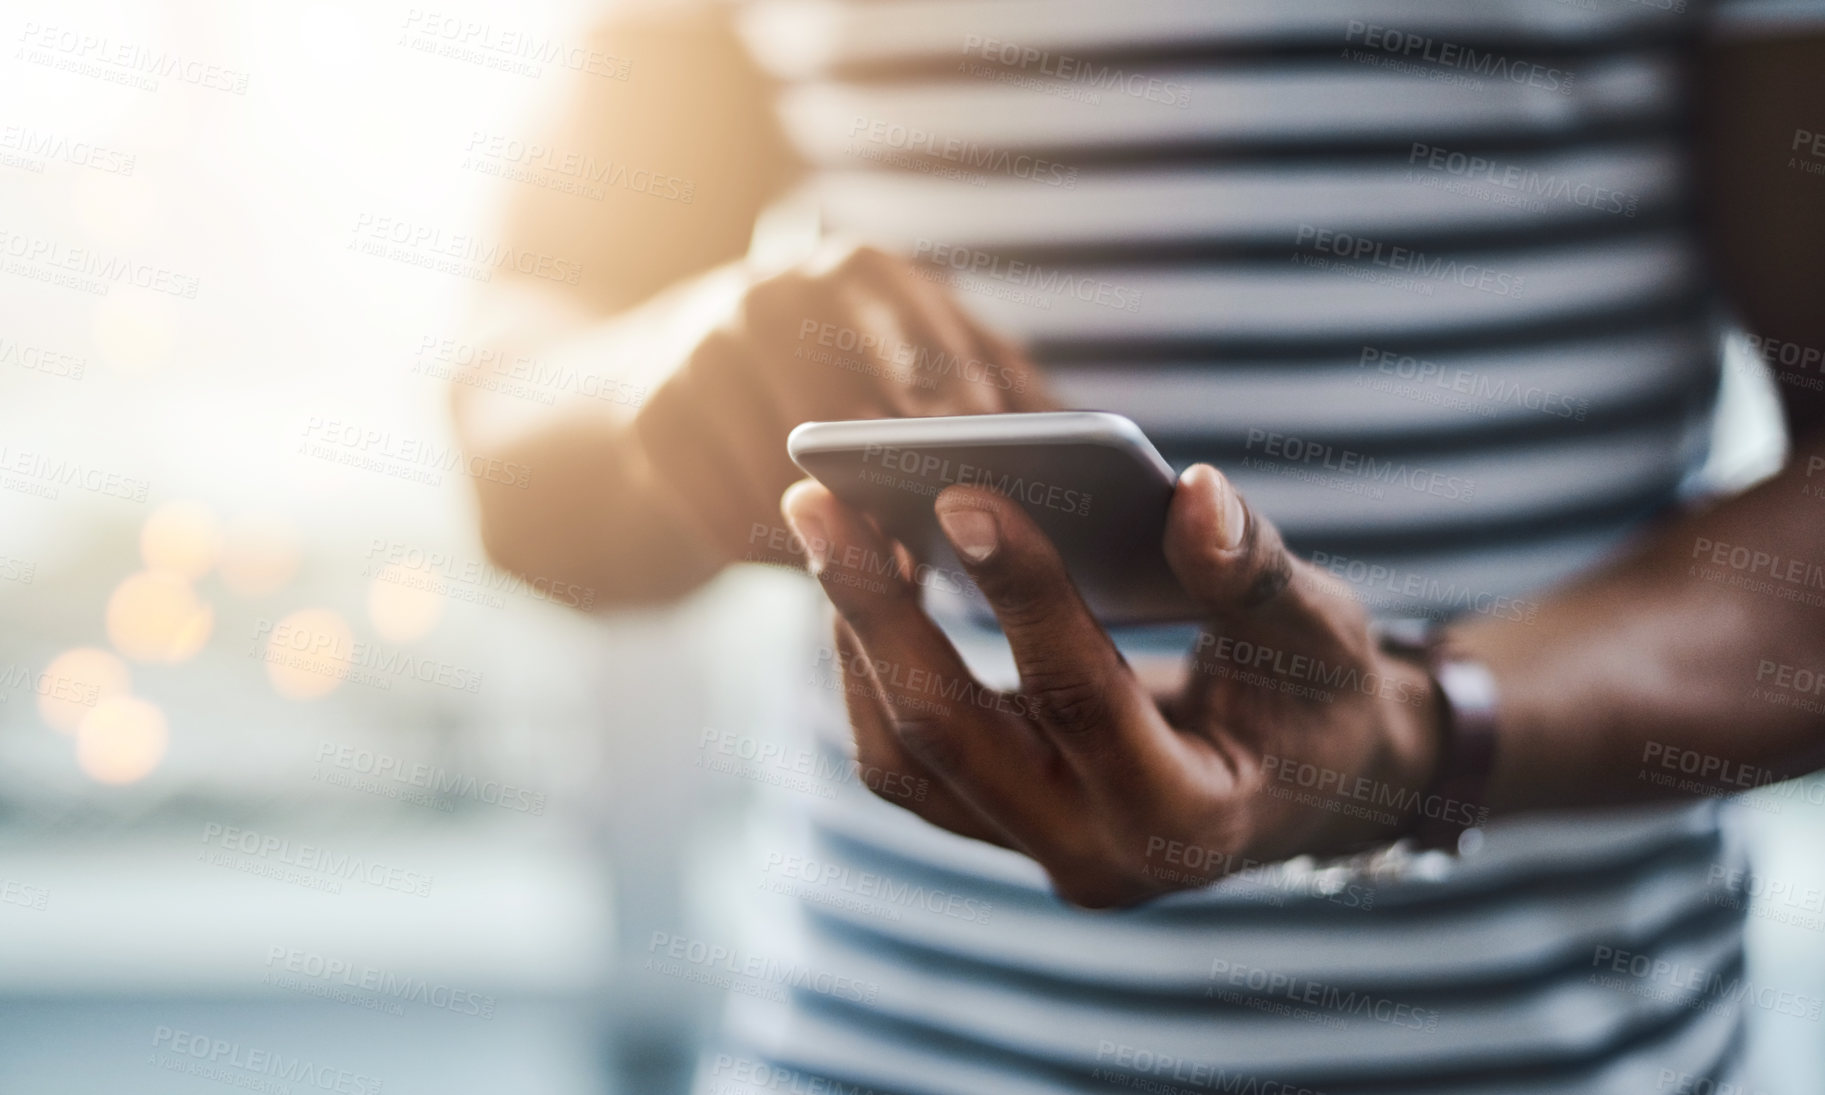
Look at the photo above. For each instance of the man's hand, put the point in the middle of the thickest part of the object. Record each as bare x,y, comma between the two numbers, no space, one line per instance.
1292,735
851,333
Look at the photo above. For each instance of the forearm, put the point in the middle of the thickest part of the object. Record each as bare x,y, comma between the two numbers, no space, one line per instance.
569,363
1697,657
556,406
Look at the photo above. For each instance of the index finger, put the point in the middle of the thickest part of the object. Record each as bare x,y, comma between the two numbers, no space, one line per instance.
973,737
1085,693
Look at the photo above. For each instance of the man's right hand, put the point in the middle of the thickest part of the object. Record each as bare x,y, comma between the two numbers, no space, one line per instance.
850,333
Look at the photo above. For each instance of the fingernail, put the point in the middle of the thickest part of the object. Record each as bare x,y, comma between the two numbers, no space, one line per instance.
1235,518
811,533
1232,519
973,532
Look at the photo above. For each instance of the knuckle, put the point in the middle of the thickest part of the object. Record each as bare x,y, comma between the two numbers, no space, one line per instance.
1023,599
872,604
717,351
860,260
1069,701
773,300
1268,581
931,740
1268,566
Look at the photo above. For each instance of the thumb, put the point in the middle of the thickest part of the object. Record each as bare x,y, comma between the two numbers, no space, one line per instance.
1234,564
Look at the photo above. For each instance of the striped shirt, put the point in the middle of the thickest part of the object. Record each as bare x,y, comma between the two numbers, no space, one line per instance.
1423,279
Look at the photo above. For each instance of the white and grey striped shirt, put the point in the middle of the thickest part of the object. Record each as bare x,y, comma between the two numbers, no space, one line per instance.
1422,278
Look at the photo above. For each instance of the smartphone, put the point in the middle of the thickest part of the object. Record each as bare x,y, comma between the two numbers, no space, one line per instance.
1091,480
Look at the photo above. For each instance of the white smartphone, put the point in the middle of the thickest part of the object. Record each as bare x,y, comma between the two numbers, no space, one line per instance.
1092,481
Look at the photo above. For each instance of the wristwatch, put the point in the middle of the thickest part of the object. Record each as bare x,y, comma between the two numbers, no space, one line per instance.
1455,802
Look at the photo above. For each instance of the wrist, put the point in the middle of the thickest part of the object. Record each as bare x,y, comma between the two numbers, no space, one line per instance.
1414,739
1376,788
1453,798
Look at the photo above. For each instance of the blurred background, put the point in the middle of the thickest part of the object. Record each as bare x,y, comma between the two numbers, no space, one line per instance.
284,764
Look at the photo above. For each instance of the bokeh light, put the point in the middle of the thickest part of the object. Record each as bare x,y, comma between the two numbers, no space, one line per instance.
122,740
76,681
399,611
308,652
183,538
154,616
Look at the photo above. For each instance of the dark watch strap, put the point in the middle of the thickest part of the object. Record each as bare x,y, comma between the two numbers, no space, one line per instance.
1456,800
